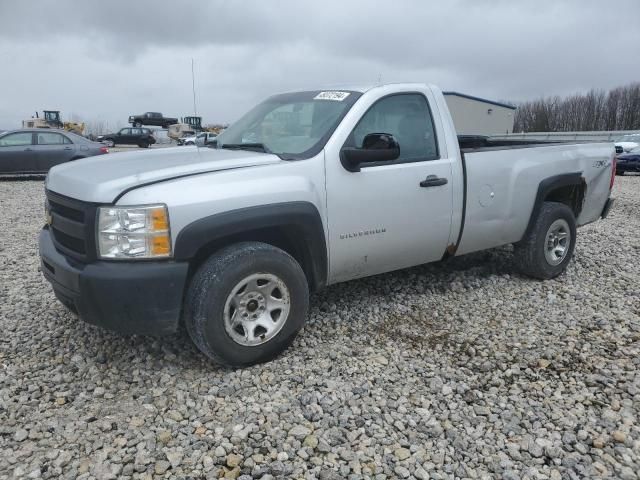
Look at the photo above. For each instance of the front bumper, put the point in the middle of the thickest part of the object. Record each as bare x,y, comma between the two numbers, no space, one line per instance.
134,297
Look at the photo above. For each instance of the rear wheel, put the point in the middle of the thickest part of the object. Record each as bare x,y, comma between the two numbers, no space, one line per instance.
137,124
143,145
246,304
547,250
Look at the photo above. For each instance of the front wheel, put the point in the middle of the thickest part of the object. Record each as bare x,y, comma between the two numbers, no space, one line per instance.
246,304
109,142
547,250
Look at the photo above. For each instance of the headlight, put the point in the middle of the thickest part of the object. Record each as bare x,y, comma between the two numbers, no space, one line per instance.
134,232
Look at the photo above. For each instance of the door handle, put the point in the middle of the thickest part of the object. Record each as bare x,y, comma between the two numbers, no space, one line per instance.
68,148
433,181
28,149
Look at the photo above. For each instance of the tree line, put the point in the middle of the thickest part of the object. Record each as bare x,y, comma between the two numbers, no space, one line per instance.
617,109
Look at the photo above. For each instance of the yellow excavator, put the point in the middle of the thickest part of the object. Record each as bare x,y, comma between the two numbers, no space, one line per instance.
51,119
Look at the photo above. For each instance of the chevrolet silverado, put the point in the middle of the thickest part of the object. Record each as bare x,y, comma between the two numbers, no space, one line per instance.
307,189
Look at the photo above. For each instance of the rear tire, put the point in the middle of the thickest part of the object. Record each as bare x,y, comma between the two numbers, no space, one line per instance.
547,250
246,304
143,145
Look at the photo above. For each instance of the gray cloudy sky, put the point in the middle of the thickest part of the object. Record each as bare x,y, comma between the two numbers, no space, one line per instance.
108,59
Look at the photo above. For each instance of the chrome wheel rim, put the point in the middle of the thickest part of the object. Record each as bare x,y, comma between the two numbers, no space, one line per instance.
557,241
110,143
256,309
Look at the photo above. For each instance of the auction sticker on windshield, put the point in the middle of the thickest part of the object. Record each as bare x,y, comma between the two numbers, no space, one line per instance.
337,96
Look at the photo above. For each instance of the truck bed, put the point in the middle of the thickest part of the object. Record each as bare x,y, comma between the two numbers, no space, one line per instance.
502,181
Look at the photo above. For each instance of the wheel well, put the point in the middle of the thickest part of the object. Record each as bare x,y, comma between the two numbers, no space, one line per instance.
571,195
285,238
568,188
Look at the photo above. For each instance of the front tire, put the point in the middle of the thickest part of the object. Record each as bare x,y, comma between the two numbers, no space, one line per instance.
548,248
246,304
109,142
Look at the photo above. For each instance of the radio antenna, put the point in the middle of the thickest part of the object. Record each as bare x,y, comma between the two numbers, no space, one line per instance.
193,87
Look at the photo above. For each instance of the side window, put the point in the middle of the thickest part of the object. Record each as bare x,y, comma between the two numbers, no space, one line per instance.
50,138
125,131
136,131
408,118
16,139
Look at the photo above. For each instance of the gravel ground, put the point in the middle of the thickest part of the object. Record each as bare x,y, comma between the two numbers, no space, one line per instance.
455,370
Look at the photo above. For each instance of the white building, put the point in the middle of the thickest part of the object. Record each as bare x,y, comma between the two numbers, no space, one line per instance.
478,116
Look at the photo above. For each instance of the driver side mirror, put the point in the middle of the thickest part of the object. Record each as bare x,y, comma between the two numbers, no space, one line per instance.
376,147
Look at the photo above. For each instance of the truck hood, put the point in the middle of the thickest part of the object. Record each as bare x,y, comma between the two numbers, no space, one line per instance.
101,179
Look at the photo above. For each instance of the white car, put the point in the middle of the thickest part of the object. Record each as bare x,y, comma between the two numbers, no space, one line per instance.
626,143
200,139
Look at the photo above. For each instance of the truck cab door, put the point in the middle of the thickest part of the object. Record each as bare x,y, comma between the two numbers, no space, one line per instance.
392,214
17,154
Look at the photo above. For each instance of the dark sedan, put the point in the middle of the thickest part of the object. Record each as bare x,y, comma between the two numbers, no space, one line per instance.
628,162
37,150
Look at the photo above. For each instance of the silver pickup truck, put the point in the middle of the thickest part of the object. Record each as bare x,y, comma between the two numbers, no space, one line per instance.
308,189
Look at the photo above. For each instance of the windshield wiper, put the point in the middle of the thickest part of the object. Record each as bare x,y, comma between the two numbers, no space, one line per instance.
245,146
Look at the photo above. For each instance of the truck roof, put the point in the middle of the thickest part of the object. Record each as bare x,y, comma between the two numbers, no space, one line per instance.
362,88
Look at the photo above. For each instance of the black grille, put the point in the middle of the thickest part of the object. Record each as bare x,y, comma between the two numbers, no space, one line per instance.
619,149
72,226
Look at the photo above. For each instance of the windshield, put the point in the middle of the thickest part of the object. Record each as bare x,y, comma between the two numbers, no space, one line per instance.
291,125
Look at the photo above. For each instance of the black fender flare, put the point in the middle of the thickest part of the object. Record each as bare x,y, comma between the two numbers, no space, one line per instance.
301,220
545,187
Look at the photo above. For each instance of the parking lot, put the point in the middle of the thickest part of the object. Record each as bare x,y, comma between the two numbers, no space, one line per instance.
461,369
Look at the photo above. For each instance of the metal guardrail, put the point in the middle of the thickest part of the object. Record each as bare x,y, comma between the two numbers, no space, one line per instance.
607,136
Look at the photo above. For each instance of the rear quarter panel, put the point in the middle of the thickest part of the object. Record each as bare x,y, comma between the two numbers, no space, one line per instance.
502,187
